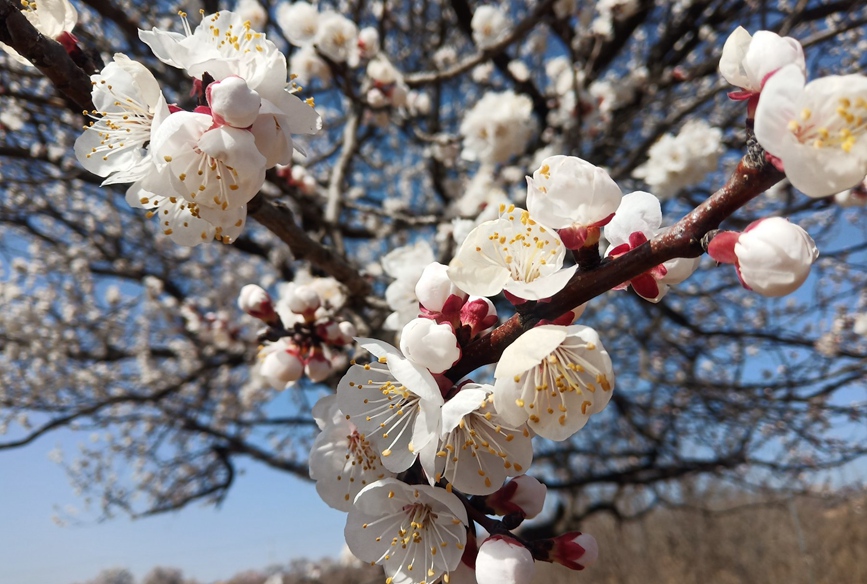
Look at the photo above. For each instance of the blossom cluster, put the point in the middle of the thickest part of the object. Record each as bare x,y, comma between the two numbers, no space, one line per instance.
196,170
814,132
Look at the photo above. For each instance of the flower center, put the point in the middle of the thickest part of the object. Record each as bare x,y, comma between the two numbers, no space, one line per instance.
527,249
564,372
843,128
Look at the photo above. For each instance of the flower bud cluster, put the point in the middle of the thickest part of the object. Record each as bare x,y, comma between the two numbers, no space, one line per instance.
303,338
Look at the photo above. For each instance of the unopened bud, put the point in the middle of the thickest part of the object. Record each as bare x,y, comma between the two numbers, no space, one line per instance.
434,288
575,550
523,495
504,560
429,344
282,366
233,102
257,303
479,313
304,300
318,367
772,256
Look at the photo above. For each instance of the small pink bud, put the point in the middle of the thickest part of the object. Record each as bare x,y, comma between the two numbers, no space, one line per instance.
434,288
233,102
318,367
575,550
504,560
257,303
429,344
479,314
524,495
349,332
282,366
304,300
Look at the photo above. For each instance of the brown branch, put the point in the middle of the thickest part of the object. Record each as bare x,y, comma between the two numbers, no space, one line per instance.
277,218
683,239
46,55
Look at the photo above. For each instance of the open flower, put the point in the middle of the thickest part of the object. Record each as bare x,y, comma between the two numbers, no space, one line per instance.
219,168
225,46
513,253
342,460
127,98
638,219
490,24
554,378
417,532
479,450
497,127
772,256
395,403
816,130
574,196
749,61
55,19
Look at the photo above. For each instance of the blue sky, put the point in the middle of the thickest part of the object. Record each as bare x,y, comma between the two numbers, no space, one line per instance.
269,517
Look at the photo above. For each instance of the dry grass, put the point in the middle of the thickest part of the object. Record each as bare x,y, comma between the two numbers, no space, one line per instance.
800,542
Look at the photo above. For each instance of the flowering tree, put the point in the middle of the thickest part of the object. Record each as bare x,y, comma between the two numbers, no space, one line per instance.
366,163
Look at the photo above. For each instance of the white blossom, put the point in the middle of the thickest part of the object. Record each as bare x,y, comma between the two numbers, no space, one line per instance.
489,24
342,461
337,38
497,127
478,449
678,162
405,264
816,130
554,378
772,256
513,253
572,195
127,97
430,344
395,403
637,220
55,19
504,560
416,532
299,22
749,61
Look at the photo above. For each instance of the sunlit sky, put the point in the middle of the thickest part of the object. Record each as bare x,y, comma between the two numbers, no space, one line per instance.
268,518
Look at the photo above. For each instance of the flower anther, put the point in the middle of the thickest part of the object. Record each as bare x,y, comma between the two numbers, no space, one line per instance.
478,450
554,378
416,532
513,253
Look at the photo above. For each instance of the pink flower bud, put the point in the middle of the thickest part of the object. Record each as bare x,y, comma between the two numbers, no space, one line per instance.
349,332
233,102
257,303
504,560
434,288
430,344
368,42
524,495
772,256
282,366
304,300
318,367
575,550
479,314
